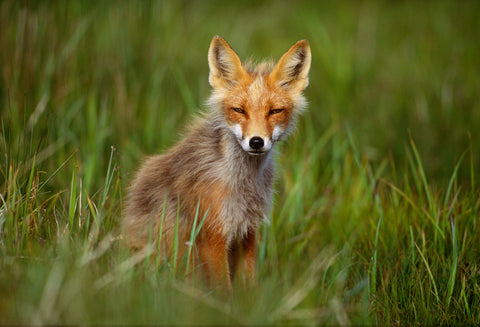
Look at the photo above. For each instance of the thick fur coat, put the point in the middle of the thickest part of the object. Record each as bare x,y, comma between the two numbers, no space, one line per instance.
222,169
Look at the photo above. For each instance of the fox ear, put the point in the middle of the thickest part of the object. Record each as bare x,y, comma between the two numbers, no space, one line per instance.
225,66
291,71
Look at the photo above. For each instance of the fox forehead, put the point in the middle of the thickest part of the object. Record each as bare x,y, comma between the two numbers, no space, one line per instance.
256,93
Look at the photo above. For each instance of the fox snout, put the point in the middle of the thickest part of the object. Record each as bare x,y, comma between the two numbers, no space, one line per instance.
257,145
254,145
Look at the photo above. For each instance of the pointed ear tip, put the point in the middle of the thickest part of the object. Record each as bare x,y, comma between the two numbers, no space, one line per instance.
217,39
303,43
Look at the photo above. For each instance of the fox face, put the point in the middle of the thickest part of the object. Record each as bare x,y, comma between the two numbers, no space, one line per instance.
258,114
258,105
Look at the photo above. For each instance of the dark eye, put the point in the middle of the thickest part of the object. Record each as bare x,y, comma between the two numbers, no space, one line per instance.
239,110
275,111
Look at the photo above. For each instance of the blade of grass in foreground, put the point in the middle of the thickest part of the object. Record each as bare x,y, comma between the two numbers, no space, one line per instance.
453,268
193,235
432,280
159,258
175,243
453,178
373,281
72,200
431,203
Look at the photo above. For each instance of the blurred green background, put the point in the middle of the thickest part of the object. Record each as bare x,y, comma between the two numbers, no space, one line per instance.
379,68
373,222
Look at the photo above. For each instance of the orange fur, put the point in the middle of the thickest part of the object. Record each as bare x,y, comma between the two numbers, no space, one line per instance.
223,166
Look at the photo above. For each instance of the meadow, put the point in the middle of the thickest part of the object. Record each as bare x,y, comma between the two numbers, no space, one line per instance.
376,212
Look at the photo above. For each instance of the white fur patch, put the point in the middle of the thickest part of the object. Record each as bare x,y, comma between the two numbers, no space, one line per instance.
237,130
244,142
267,144
277,132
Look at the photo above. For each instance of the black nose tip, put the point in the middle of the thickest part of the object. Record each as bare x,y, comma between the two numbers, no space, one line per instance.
256,142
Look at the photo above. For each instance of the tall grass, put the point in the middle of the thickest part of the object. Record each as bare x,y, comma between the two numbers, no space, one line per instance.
375,219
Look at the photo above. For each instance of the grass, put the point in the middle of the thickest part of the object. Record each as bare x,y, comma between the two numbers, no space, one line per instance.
375,218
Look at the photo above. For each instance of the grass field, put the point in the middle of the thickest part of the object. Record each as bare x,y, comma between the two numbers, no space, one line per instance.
376,215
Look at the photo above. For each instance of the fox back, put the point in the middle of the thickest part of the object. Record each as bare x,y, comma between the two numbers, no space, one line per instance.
221,172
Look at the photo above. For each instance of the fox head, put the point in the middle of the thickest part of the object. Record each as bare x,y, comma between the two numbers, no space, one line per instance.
258,105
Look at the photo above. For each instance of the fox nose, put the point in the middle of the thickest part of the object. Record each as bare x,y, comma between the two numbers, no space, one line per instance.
256,143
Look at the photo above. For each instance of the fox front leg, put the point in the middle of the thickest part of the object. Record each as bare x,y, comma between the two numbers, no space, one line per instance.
213,253
243,258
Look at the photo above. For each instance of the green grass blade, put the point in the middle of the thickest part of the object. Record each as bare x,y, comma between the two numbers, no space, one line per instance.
72,201
454,265
453,179
430,275
431,203
161,253
192,238
175,243
373,272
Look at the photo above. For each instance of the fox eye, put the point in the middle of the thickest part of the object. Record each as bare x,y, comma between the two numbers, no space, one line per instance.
239,110
275,111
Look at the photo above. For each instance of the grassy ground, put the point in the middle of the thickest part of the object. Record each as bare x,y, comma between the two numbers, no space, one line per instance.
376,216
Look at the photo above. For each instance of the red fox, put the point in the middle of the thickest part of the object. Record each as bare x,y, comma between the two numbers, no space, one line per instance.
223,169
